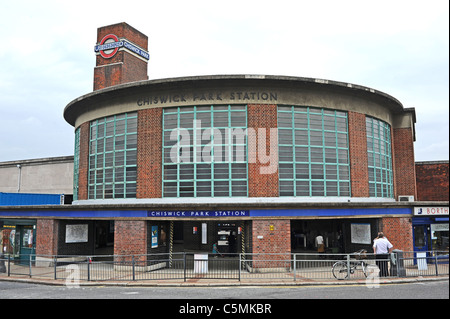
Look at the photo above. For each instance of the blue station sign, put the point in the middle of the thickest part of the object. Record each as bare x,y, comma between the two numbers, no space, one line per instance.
201,213
110,45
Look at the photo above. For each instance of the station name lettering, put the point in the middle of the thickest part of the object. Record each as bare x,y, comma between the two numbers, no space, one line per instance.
239,96
216,213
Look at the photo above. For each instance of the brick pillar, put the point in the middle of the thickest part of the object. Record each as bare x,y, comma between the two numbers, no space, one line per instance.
130,238
404,165
149,154
271,238
262,176
398,230
357,139
83,164
123,66
47,237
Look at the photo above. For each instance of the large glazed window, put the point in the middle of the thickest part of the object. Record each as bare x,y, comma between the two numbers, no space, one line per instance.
313,152
112,157
380,158
205,151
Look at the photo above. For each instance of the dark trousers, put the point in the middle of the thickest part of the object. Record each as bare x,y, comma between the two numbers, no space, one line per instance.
382,261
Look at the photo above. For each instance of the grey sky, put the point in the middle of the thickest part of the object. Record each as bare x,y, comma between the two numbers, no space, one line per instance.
47,58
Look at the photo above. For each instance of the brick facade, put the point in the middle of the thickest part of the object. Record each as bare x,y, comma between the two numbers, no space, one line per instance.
83,164
399,232
149,155
47,237
271,237
404,166
130,238
260,183
122,67
432,181
359,174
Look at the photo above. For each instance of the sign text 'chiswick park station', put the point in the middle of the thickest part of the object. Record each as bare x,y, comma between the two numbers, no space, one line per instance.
270,161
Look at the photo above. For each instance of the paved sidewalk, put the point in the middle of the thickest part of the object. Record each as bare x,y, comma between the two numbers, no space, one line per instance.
223,282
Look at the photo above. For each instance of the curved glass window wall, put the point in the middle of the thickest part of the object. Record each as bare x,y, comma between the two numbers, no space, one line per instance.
313,152
205,151
113,157
379,152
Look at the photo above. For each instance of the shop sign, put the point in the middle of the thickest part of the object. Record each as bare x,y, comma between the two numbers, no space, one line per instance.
430,211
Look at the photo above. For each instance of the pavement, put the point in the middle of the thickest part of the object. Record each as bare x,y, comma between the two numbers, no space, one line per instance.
224,282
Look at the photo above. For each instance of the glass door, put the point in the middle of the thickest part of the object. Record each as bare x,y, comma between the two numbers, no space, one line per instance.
27,244
420,238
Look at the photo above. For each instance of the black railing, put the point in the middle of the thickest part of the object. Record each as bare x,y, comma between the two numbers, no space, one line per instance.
185,266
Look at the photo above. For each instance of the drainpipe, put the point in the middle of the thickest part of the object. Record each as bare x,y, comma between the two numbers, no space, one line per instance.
19,177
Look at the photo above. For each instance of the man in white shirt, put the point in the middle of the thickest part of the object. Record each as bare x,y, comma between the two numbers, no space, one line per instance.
320,245
382,248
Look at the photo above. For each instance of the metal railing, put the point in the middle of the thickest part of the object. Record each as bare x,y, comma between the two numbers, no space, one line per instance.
185,266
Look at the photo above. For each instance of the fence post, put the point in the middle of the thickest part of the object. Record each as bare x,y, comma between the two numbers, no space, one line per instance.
295,267
88,268
348,266
30,265
436,264
54,266
132,267
240,266
184,262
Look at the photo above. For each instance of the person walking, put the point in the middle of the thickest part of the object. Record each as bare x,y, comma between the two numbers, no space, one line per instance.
320,244
382,248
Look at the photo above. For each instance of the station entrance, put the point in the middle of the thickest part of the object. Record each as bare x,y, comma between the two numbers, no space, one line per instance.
230,237
339,235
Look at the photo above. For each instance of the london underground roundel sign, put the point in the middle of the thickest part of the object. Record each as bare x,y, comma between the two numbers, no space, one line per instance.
109,46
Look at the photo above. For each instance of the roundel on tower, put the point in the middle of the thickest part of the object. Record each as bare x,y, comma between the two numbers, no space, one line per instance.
109,46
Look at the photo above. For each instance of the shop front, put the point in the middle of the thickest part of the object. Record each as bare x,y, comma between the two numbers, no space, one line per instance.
18,239
431,229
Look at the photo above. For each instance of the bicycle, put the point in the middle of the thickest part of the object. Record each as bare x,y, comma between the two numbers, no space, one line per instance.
340,269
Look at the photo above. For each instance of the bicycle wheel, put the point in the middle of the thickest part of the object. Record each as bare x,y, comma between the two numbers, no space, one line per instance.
340,270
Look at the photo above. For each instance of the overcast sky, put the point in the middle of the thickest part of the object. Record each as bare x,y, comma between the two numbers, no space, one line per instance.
47,55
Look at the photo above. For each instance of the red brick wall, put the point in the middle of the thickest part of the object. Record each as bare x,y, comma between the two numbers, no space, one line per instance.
134,69
404,166
83,168
108,75
47,237
130,238
122,67
399,232
432,181
261,184
274,240
357,137
149,155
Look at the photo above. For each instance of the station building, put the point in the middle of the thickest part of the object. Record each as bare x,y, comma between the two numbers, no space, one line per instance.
254,163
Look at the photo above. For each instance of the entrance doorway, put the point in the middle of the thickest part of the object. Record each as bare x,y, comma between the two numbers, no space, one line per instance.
103,237
304,233
420,235
200,236
19,242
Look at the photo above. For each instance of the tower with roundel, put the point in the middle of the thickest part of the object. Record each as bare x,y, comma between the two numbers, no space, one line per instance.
121,56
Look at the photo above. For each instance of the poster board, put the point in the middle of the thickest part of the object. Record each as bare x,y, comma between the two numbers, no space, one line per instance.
77,233
360,233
